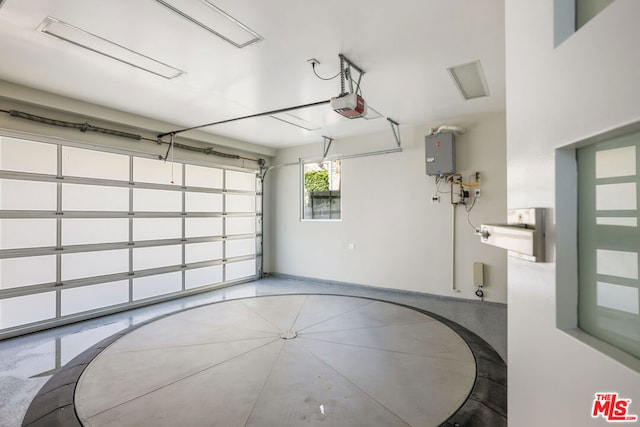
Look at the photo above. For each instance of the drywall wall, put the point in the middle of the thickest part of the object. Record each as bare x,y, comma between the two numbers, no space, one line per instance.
32,101
400,238
587,85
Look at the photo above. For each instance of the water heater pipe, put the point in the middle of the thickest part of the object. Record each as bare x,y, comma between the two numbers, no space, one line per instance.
453,249
447,128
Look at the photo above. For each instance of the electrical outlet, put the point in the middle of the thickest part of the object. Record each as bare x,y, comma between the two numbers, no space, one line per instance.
435,199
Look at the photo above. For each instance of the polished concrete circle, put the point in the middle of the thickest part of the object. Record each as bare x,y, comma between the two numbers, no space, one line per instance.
354,361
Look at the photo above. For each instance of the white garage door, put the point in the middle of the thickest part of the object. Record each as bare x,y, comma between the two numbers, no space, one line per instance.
84,232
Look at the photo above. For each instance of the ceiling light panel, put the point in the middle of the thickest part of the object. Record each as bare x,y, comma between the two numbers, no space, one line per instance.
215,20
87,40
470,80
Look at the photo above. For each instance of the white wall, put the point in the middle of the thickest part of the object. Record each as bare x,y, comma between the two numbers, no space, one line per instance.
589,84
401,239
33,101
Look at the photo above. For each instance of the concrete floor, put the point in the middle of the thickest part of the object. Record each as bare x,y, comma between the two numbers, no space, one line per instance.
26,363
284,360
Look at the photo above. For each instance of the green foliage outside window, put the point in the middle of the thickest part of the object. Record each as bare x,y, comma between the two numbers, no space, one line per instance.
316,180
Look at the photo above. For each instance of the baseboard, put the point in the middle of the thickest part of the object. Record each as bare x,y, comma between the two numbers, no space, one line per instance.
283,276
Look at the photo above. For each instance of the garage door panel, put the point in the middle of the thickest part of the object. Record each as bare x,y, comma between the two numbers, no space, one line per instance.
83,230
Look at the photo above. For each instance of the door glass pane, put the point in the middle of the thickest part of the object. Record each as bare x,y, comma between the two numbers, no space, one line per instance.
25,271
240,203
616,197
203,227
76,300
77,197
27,233
150,286
42,195
199,176
616,162
207,251
156,171
614,220
617,263
242,269
90,264
203,202
203,276
85,231
41,307
20,155
241,225
609,242
157,200
94,164
157,228
618,297
159,256
240,247
245,181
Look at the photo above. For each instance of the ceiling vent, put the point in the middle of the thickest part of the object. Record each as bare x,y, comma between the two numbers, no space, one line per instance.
470,80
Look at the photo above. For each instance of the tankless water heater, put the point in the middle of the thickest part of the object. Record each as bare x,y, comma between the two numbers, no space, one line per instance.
440,154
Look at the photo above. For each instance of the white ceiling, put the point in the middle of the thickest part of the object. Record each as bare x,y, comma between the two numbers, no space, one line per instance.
404,46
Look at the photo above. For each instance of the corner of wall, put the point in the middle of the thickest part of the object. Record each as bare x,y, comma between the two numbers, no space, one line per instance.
399,239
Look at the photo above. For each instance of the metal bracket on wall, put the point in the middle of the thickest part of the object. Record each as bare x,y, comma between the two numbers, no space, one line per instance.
523,235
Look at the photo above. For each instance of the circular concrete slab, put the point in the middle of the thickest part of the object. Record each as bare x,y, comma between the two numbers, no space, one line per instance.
353,361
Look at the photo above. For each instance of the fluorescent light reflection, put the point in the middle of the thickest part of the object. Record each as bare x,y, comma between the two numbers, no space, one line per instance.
206,15
87,40
296,121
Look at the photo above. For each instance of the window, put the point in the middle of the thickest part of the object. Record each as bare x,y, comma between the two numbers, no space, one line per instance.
571,15
587,9
321,181
609,242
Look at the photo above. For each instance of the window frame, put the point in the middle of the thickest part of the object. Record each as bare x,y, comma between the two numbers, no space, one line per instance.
302,163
